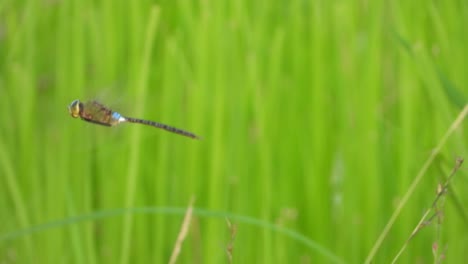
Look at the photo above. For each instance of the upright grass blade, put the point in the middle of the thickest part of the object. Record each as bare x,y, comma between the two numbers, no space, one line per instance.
142,73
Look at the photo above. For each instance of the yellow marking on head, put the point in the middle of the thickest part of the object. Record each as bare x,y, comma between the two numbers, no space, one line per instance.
74,108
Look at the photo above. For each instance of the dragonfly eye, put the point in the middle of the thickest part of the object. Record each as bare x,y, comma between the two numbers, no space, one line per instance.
74,108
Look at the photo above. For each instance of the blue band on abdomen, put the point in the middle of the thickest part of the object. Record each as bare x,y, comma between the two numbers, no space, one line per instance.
116,116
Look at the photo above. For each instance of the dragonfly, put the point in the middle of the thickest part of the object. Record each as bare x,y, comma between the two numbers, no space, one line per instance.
95,112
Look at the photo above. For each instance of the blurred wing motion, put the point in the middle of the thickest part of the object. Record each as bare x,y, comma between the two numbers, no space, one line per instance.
94,112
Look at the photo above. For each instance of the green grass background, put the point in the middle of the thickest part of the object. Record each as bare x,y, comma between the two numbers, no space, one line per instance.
315,116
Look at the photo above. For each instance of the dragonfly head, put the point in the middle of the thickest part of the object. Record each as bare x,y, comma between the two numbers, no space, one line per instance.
75,108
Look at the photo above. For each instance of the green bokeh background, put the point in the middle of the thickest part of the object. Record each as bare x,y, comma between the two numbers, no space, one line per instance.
316,117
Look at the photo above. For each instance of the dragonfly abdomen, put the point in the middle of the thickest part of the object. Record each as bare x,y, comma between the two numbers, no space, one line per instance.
162,126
